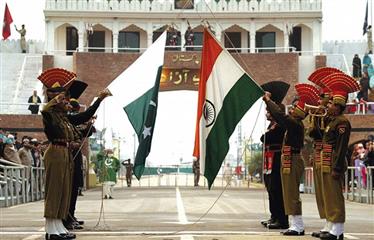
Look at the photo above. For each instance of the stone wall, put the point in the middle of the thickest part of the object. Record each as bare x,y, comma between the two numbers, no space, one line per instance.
100,69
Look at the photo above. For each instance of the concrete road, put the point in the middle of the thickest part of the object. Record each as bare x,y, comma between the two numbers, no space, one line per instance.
178,213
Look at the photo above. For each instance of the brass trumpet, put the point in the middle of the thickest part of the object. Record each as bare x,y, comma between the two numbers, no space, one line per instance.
316,111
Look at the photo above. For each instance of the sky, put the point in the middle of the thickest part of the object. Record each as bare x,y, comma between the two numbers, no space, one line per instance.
174,131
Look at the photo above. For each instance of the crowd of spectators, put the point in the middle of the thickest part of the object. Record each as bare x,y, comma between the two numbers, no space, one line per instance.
364,73
363,157
27,152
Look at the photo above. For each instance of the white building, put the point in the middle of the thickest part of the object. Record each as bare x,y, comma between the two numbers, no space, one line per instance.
130,25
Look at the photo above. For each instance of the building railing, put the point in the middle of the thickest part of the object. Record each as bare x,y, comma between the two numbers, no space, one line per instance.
22,108
201,6
360,108
197,48
20,184
356,188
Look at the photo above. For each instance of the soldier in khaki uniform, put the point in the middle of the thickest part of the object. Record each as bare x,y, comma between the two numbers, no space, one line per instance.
319,122
292,164
335,144
57,158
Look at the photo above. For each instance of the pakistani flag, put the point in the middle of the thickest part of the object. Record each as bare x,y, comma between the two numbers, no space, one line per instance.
136,89
226,93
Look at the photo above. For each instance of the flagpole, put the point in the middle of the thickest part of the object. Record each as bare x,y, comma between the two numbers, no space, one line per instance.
1,76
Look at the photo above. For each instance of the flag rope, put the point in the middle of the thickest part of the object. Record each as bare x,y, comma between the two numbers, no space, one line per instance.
221,193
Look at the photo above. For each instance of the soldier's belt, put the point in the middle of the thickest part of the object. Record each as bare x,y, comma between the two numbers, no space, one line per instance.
61,142
317,152
273,147
326,156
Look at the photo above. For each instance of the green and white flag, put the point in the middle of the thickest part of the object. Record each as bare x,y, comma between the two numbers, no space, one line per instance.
136,89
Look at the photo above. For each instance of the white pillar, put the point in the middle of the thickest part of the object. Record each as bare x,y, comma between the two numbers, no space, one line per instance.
252,37
219,33
149,34
50,37
183,29
115,42
115,32
81,33
286,43
317,36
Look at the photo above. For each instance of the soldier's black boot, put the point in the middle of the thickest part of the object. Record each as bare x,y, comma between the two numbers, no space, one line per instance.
329,236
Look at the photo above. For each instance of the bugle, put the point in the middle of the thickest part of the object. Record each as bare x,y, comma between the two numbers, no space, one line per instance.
316,111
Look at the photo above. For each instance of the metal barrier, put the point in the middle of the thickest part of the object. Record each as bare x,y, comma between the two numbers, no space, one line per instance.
185,179
20,184
356,188
308,180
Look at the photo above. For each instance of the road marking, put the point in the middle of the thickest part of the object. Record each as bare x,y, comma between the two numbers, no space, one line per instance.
168,233
350,236
182,213
21,205
32,237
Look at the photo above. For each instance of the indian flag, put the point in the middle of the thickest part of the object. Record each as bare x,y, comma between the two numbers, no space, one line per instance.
226,93
136,89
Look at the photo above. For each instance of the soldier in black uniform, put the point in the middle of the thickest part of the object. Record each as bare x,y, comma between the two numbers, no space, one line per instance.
196,171
273,140
292,164
83,123
334,148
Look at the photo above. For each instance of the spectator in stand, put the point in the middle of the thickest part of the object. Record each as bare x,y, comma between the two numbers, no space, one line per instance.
2,143
16,142
366,61
189,38
36,152
356,66
35,101
358,163
10,151
369,156
364,83
25,153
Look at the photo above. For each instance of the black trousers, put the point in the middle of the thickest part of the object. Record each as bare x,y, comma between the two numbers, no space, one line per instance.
273,183
77,183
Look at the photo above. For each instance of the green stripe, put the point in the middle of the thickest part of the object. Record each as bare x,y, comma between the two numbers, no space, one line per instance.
137,110
142,114
237,102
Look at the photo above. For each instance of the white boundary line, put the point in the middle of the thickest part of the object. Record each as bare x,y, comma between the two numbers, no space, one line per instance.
32,237
181,213
171,233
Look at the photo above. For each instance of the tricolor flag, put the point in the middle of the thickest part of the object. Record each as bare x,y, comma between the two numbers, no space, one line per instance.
226,93
136,89
6,22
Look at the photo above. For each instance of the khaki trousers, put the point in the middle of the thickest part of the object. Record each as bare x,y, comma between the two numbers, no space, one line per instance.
290,185
333,199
